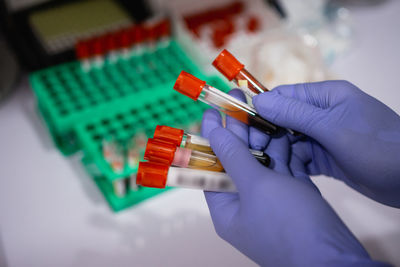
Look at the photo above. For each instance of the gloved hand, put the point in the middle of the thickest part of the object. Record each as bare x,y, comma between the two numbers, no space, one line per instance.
278,217
353,136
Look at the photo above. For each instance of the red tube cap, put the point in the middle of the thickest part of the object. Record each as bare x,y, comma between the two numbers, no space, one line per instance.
98,46
152,174
138,35
169,134
227,64
111,42
164,28
189,85
159,151
82,50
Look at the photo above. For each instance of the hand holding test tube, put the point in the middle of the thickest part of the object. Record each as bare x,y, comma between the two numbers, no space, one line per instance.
195,88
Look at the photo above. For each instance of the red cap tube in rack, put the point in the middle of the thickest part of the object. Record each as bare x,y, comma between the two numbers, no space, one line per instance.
232,69
151,174
138,34
195,88
82,50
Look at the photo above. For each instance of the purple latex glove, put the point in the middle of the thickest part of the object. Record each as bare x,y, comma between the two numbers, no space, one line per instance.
353,136
278,217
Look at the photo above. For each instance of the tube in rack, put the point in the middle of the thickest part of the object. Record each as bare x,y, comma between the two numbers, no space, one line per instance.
151,174
168,153
179,138
235,71
195,88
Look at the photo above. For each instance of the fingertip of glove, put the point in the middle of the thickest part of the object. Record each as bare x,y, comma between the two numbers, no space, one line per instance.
211,120
263,98
218,134
211,113
238,94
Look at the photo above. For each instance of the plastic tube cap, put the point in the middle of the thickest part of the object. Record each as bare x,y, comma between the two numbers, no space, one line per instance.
82,50
164,28
138,34
152,174
126,38
169,134
98,46
111,42
227,64
159,151
189,85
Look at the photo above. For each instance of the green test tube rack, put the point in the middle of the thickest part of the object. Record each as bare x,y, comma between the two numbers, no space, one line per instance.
119,99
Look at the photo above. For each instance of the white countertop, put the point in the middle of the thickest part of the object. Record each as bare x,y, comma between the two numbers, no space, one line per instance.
52,214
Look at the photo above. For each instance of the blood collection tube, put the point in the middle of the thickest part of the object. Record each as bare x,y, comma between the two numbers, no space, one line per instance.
117,159
179,138
134,147
119,187
108,147
138,37
232,69
126,42
195,88
152,174
82,51
164,33
111,43
98,47
168,153
133,156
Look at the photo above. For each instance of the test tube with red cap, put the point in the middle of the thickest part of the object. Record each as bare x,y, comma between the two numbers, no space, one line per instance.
120,186
235,71
157,175
182,139
194,142
138,34
195,88
82,50
98,47
163,30
168,153
126,42
111,44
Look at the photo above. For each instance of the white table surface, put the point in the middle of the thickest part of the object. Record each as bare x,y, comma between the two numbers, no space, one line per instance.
52,214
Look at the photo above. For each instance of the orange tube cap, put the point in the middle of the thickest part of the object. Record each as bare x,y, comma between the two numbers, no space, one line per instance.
159,151
227,64
151,174
189,85
169,134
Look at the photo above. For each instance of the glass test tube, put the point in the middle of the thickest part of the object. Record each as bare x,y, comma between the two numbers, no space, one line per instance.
179,138
158,175
232,69
119,187
195,88
170,154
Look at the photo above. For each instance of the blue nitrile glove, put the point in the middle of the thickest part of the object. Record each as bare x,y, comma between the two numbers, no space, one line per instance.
353,136
277,218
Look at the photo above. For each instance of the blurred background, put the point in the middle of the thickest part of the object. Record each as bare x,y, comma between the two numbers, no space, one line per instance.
77,76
